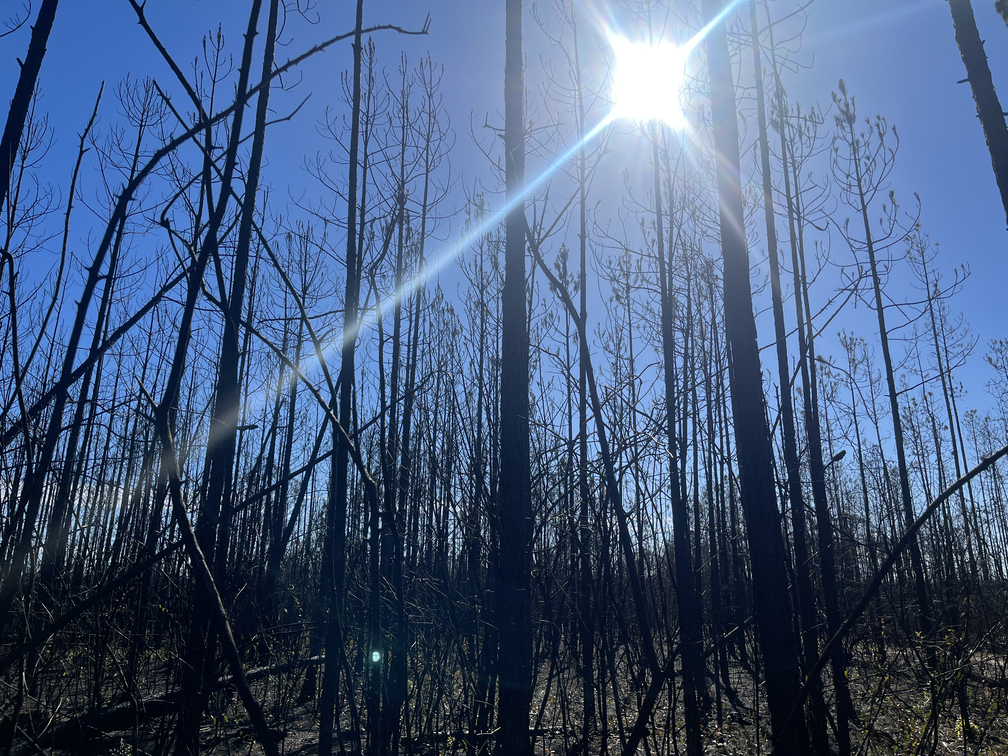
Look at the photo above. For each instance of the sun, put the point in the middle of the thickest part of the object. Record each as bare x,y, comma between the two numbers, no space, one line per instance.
647,81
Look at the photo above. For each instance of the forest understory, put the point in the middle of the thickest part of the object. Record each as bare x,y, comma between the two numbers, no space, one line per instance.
69,703
893,714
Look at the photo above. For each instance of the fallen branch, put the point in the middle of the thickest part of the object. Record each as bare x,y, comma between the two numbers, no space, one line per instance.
71,733
266,736
126,715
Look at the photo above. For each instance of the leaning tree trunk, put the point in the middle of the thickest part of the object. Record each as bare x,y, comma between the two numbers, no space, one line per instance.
21,102
211,527
752,436
978,73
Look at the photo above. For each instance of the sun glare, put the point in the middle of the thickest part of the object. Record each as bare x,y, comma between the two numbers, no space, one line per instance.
647,81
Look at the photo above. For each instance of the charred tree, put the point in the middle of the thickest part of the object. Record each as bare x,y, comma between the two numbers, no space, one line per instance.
752,435
688,601
514,557
21,102
803,567
213,525
334,552
992,116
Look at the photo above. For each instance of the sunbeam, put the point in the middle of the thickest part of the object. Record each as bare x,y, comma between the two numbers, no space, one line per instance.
647,81
636,99
648,78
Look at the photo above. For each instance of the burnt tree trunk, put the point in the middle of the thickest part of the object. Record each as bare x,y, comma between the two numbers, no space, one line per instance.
803,569
334,550
211,530
988,106
752,436
514,561
586,624
21,102
690,614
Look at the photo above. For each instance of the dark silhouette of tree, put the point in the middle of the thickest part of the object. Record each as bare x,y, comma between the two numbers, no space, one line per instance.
17,115
214,521
978,73
690,609
334,556
861,169
805,597
752,434
514,516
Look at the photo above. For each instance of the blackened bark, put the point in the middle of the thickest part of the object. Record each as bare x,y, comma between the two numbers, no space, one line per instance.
659,673
267,737
690,619
988,106
279,536
334,551
806,599
21,102
59,519
223,435
586,623
845,121
908,538
394,694
514,561
752,436
824,518
807,613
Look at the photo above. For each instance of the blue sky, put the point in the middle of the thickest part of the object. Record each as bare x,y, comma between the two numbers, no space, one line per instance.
901,60
897,56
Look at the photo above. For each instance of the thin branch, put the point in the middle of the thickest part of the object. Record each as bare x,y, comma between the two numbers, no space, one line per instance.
883,570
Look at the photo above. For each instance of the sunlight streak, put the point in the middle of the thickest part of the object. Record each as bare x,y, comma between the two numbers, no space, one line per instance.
648,78
370,318
647,81
640,80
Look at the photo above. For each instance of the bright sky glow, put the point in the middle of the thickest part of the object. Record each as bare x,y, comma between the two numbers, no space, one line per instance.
647,84
647,81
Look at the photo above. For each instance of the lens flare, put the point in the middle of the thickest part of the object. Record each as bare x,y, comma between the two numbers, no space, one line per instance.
648,80
648,83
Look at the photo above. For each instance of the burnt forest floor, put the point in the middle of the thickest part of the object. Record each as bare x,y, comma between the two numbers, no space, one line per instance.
890,692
